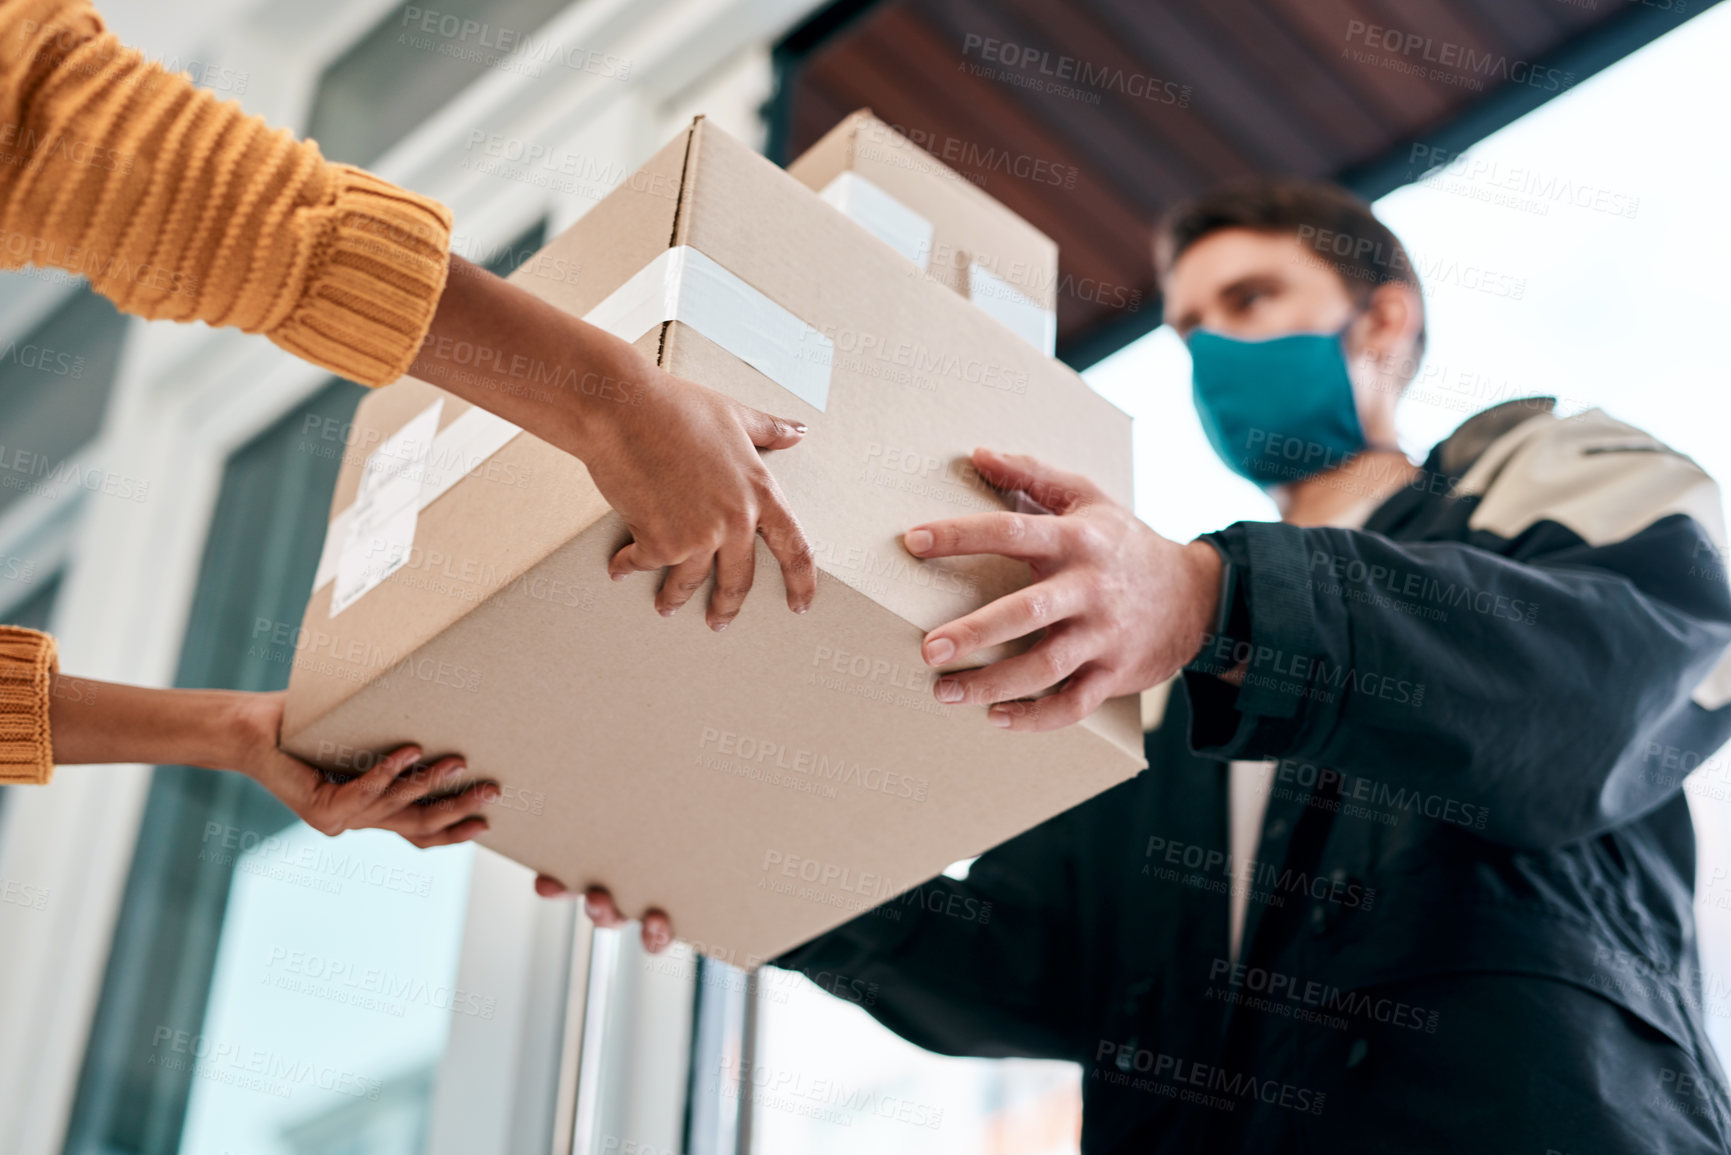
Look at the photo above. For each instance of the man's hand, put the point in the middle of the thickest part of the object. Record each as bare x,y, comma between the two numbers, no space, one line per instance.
678,461
384,797
1121,607
657,929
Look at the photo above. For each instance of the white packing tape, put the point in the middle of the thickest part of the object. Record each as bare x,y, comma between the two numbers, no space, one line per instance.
679,285
1031,322
882,215
684,285
380,529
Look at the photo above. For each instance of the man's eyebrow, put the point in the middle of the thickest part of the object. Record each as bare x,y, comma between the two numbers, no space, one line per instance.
1249,281
1189,319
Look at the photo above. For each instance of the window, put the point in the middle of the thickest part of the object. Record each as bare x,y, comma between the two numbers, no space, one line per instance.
412,62
54,387
176,1034
271,990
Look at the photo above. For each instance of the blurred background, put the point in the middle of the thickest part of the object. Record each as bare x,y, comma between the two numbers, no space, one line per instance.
187,969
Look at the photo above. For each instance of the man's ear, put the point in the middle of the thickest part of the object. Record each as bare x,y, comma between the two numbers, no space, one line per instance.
1392,321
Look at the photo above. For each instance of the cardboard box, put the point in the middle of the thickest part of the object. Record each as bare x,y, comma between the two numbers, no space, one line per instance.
770,782
940,220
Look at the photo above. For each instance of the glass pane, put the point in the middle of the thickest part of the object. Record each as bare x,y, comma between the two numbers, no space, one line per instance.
54,386
417,58
827,1079
334,986
36,609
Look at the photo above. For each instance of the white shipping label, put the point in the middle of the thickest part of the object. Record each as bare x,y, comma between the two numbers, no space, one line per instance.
885,217
381,524
1014,308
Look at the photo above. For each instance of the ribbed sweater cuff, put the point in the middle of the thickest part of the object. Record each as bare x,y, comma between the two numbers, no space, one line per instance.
374,277
27,659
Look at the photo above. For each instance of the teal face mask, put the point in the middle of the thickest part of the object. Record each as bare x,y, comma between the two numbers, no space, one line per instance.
1279,410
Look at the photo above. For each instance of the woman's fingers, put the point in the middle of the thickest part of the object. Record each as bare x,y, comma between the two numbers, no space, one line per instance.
681,582
767,432
408,788
334,806
792,549
451,835
412,821
735,564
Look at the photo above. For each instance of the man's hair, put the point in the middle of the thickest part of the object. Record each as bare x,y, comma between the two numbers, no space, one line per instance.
1338,227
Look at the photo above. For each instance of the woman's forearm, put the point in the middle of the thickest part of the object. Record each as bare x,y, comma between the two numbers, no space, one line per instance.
227,730
679,462
502,348
106,722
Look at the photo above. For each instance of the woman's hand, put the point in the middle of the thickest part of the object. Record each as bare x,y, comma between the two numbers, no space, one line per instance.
657,930
682,467
678,461
384,797
223,730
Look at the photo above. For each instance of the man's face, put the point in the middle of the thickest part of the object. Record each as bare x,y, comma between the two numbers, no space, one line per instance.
1254,286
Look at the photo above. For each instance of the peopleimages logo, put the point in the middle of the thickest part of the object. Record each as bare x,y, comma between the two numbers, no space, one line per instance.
1066,71
1457,64
496,46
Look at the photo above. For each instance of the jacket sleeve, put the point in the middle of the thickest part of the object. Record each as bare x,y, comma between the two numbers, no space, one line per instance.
177,205
993,966
1547,669
27,663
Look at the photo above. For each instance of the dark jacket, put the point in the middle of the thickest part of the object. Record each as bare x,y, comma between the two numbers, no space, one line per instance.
1470,922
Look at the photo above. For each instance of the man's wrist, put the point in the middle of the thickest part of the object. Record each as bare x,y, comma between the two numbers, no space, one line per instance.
1211,577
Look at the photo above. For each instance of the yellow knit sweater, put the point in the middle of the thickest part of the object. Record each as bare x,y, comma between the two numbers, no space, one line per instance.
177,205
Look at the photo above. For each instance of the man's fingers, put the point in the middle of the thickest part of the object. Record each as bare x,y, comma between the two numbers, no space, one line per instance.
1039,606
1086,693
657,929
735,564
1056,489
787,541
598,905
657,932
681,582
1022,676
768,432
549,887
1026,537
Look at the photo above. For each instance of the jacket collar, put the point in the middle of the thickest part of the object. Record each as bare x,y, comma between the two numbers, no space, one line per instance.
1455,454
